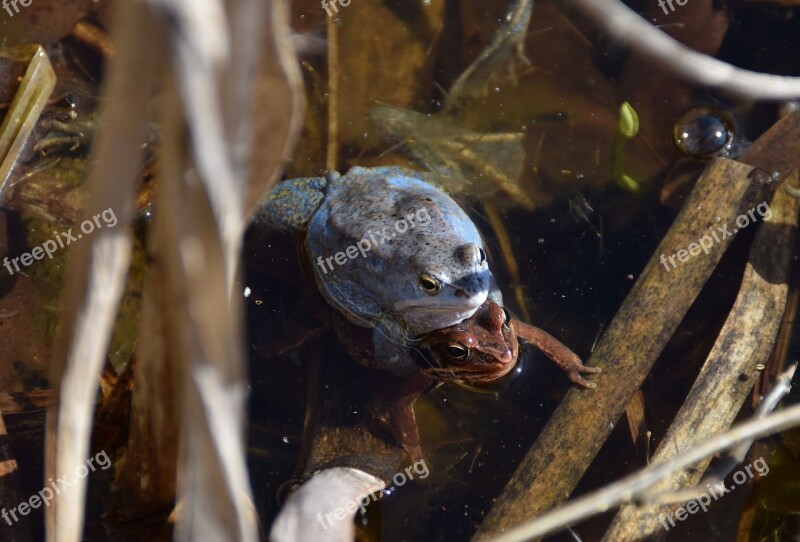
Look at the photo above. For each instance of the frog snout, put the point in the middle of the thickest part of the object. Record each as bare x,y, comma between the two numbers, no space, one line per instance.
470,290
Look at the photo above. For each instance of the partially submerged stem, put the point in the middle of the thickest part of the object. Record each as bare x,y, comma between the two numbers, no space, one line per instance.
493,216
332,157
634,339
731,368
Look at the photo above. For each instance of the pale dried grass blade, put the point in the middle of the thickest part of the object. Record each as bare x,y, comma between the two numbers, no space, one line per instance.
96,277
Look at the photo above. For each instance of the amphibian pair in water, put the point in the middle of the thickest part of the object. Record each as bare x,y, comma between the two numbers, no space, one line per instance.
425,286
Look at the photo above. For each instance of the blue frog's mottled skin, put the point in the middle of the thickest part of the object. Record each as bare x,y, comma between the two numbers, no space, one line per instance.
406,283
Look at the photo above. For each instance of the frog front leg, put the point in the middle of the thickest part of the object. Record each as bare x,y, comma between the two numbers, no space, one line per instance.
290,205
391,341
554,349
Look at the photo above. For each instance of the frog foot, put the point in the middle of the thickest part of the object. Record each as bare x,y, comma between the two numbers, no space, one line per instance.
566,359
574,374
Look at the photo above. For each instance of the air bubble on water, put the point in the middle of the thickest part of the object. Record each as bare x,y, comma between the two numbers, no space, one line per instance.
704,132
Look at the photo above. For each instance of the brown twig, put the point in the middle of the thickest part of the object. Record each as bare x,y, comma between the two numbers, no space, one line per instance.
95,37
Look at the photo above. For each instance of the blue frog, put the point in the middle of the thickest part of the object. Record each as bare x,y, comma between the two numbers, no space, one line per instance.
391,252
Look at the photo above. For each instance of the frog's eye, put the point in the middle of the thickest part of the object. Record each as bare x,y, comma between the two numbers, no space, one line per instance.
507,316
482,256
430,284
457,351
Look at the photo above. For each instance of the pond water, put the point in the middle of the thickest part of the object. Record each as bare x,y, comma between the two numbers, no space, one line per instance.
572,155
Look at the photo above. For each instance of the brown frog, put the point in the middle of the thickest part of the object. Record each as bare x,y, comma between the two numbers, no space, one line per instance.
485,348
482,349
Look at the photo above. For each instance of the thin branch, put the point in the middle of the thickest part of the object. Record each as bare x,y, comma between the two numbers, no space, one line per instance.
631,29
735,457
627,489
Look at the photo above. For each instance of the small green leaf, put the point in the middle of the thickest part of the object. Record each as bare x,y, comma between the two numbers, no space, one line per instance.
628,121
628,183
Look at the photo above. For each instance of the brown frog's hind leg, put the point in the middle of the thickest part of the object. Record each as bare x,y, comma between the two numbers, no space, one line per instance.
554,349
402,419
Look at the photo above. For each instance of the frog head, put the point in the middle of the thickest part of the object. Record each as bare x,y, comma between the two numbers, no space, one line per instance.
445,276
445,289
481,349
